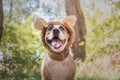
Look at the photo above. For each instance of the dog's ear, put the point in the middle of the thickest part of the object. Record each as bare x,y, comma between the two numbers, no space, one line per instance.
40,24
69,20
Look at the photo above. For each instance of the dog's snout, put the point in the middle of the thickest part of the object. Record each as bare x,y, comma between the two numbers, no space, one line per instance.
56,31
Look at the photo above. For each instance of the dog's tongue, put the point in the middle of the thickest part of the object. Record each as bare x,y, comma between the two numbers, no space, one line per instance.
56,44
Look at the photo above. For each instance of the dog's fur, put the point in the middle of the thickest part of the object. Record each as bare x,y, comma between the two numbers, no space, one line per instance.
58,64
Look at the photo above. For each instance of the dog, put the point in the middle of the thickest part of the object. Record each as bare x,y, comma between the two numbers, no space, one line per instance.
57,38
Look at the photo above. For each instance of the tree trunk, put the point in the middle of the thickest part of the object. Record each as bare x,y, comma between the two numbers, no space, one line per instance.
78,48
1,19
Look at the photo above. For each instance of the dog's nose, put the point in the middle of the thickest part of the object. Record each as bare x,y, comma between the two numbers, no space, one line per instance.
56,31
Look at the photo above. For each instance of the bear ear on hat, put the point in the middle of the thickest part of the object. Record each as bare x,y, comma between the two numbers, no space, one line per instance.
40,24
69,20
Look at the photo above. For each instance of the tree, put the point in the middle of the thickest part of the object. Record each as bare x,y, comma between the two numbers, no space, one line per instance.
1,19
73,8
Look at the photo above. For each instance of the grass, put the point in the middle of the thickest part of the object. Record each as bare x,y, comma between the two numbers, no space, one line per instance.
98,75
105,68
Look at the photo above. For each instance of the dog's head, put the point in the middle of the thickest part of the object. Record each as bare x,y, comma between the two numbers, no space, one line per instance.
58,35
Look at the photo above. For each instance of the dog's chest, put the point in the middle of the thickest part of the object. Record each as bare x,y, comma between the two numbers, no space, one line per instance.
60,68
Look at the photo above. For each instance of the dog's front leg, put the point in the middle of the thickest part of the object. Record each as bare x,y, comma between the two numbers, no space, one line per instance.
69,79
45,78
46,75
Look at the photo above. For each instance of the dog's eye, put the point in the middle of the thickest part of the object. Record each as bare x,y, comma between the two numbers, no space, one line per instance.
50,28
61,28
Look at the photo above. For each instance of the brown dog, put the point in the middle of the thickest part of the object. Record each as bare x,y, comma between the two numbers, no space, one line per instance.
57,38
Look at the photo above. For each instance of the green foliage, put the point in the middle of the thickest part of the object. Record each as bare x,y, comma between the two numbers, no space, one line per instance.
103,38
21,48
102,42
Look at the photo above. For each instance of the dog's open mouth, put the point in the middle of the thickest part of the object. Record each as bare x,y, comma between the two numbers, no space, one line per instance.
56,42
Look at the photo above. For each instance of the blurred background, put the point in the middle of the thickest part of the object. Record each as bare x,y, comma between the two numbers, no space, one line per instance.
96,45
